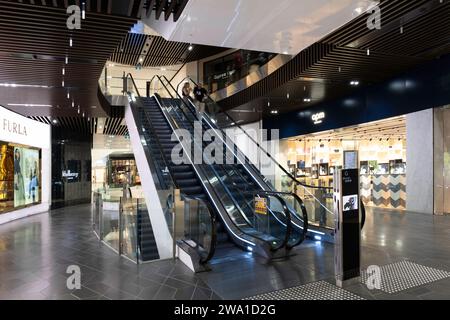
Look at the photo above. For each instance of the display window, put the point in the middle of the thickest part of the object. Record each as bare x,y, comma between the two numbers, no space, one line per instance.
381,149
20,176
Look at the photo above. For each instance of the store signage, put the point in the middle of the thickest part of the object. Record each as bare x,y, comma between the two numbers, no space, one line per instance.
224,75
70,175
317,118
16,128
261,205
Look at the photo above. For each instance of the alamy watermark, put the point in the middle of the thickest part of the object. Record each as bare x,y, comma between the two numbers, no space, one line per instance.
373,277
76,14
374,20
74,280
228,147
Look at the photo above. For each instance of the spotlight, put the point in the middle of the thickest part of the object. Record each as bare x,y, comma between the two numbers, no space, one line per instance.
354,83
71,42
307,100
191,47
55,121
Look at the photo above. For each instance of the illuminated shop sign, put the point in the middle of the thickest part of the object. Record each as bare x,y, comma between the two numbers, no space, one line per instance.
16,128
318,118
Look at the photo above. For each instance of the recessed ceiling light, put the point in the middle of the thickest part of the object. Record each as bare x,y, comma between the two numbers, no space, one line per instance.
14,85
29,105
358,10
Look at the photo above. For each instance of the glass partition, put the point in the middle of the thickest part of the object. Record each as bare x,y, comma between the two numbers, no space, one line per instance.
199,228
129,227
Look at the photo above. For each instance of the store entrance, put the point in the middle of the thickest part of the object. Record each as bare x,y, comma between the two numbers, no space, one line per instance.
381,146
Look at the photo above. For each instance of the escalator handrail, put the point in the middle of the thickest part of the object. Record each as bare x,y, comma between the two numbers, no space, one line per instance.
227,173
363,210
220,180
235,150
213,244
208,121
304,214
257,144
363,214
286,212
163,182
172,180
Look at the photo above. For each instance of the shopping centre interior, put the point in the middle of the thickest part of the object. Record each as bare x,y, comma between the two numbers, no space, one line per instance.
190,150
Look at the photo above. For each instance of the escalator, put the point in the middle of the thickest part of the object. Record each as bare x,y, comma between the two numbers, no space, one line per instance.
299,196
183,175
229,189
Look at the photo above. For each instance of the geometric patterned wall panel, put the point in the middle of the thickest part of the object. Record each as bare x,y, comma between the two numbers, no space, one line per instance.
384,190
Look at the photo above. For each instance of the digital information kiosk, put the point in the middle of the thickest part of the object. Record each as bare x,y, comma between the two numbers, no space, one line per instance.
347,222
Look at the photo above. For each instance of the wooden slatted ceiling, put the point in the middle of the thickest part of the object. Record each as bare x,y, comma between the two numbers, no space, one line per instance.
34,42
159,52
342,56
113,126
130,8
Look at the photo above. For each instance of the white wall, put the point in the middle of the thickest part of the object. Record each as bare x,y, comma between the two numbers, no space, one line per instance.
34,134
419,161
161,231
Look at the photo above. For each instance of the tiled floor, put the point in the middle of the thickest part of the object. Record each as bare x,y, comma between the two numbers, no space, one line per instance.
35,253
389,236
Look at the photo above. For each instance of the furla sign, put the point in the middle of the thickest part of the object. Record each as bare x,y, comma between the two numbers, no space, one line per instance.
318,118
16,128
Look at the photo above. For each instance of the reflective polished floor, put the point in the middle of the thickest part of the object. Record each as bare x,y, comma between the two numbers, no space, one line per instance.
36,251
389,236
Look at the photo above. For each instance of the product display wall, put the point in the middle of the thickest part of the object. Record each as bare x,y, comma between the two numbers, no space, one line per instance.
382,166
